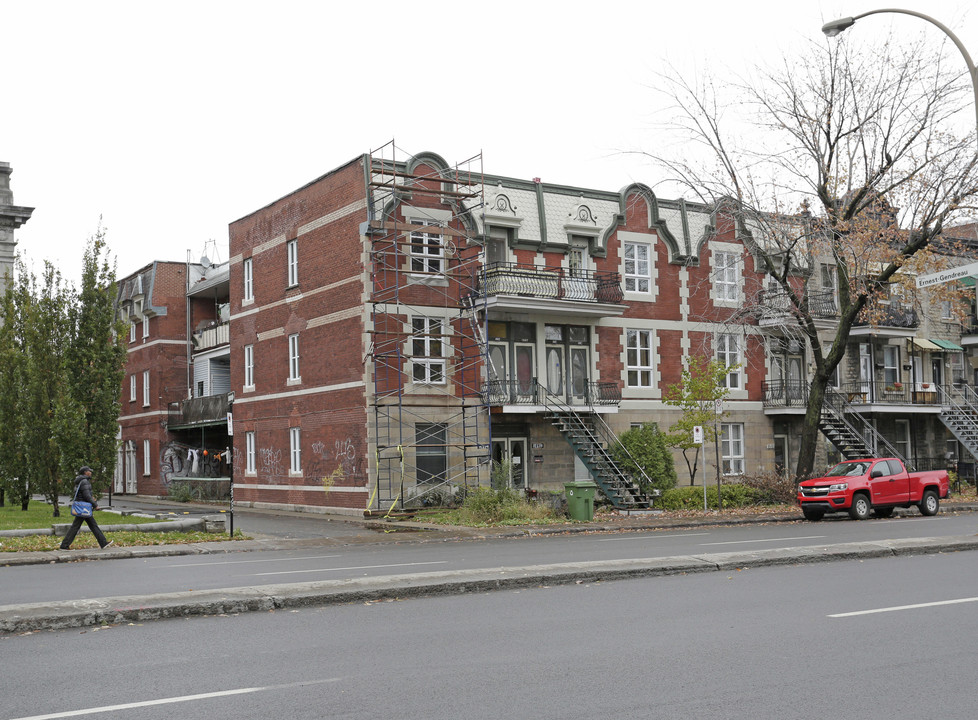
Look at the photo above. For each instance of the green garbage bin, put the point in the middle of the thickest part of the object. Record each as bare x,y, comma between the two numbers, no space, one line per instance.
580,499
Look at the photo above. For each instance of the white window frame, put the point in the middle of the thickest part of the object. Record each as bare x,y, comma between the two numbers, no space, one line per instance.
427,249
145,388
147,469
132,387
428,350
250,452
145,327
295,450
891,364
247,270
249,366
292,255
728,353
639,364
732,448
294,375
132,331
726,275
638,270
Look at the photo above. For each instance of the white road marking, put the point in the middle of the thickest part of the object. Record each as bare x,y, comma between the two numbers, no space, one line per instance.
358,567
744,542
169,701
243,562
650,537
905,607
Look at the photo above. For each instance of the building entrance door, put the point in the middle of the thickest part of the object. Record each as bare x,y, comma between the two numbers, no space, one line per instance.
513,452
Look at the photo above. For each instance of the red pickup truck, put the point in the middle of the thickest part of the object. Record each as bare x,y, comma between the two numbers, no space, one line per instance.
874,485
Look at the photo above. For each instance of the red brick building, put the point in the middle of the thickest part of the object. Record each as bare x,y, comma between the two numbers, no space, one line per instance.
396,325
173,423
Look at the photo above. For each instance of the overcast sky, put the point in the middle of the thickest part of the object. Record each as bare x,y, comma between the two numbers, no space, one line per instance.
171,120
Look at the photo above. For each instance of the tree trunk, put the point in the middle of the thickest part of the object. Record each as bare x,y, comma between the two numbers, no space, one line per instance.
810,429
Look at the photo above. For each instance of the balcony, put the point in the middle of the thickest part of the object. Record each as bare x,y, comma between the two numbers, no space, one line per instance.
871,396
891,320
785,394
519,392
513,286
776,306
198,412
211,337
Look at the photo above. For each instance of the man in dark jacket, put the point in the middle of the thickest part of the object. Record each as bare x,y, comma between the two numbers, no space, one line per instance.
83,492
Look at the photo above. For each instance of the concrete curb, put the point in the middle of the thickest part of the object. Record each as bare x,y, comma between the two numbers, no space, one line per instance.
30,617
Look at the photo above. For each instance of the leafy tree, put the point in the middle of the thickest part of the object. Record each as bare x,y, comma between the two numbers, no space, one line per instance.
62,360
95,371
644,450
701,386
863,136
47,405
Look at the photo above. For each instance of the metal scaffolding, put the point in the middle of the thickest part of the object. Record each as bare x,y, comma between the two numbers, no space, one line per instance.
428,352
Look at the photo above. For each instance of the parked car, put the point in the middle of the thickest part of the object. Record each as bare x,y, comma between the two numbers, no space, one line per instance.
871,485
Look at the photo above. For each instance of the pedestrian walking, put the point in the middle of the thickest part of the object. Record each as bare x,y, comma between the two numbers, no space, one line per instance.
83,492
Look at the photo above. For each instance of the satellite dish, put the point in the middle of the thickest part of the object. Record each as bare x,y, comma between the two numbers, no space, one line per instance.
205,261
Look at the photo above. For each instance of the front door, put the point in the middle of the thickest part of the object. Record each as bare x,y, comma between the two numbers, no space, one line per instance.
509,463
865,369
781,454
555,369
796,390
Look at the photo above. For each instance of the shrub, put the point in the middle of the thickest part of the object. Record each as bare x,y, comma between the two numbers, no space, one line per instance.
646,452
773,488
487,506
691,498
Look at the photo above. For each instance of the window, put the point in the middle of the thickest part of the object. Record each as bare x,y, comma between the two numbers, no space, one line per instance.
732,448
292,251
431,455
638,275
427,350
727,275
891,364
427,252
145,388
728,353
132,332
132,387
249,365
249,286
146,462
145,327
250,452
295,450
294,357
638,354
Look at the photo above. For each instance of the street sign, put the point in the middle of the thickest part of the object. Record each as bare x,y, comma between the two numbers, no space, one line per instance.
944,276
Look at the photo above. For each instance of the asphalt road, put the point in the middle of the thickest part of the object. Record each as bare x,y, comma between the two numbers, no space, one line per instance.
882,638
411,553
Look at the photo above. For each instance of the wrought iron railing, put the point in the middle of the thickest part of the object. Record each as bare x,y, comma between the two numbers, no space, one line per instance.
550,283
821,303
785,393
530,392
894,315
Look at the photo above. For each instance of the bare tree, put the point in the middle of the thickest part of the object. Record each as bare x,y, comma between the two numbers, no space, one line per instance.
849,158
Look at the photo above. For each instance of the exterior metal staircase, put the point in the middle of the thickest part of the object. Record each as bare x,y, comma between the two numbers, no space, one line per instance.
851,433
959,413
591,438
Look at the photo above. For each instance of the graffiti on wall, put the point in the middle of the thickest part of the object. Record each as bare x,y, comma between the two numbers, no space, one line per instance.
178,461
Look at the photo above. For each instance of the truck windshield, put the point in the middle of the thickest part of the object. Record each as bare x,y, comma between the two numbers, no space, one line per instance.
848,469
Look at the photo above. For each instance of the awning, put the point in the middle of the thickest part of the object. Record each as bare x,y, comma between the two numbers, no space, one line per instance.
926,344
946,344
968,281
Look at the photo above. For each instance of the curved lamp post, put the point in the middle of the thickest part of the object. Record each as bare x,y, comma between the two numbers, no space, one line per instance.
831,29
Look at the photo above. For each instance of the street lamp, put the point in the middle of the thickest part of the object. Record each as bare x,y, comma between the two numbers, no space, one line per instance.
831,29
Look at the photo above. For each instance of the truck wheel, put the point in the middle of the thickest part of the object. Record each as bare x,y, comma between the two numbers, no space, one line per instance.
813,514
882,512
929,503
861,507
